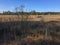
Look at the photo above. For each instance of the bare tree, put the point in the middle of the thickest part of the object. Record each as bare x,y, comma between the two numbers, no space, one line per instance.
22,17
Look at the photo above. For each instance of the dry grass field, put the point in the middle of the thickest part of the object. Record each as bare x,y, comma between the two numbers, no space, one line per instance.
30,34
7,18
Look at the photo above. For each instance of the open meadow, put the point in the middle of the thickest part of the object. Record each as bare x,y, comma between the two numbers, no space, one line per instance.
7,18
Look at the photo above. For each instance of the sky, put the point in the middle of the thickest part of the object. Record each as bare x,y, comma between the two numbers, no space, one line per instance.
37,5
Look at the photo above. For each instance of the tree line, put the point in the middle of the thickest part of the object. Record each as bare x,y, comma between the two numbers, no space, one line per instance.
29,13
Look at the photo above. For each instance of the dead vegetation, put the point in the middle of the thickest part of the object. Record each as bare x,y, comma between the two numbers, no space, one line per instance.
31,33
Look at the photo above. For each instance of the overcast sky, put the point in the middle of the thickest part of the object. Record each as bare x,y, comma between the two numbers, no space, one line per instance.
38,5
